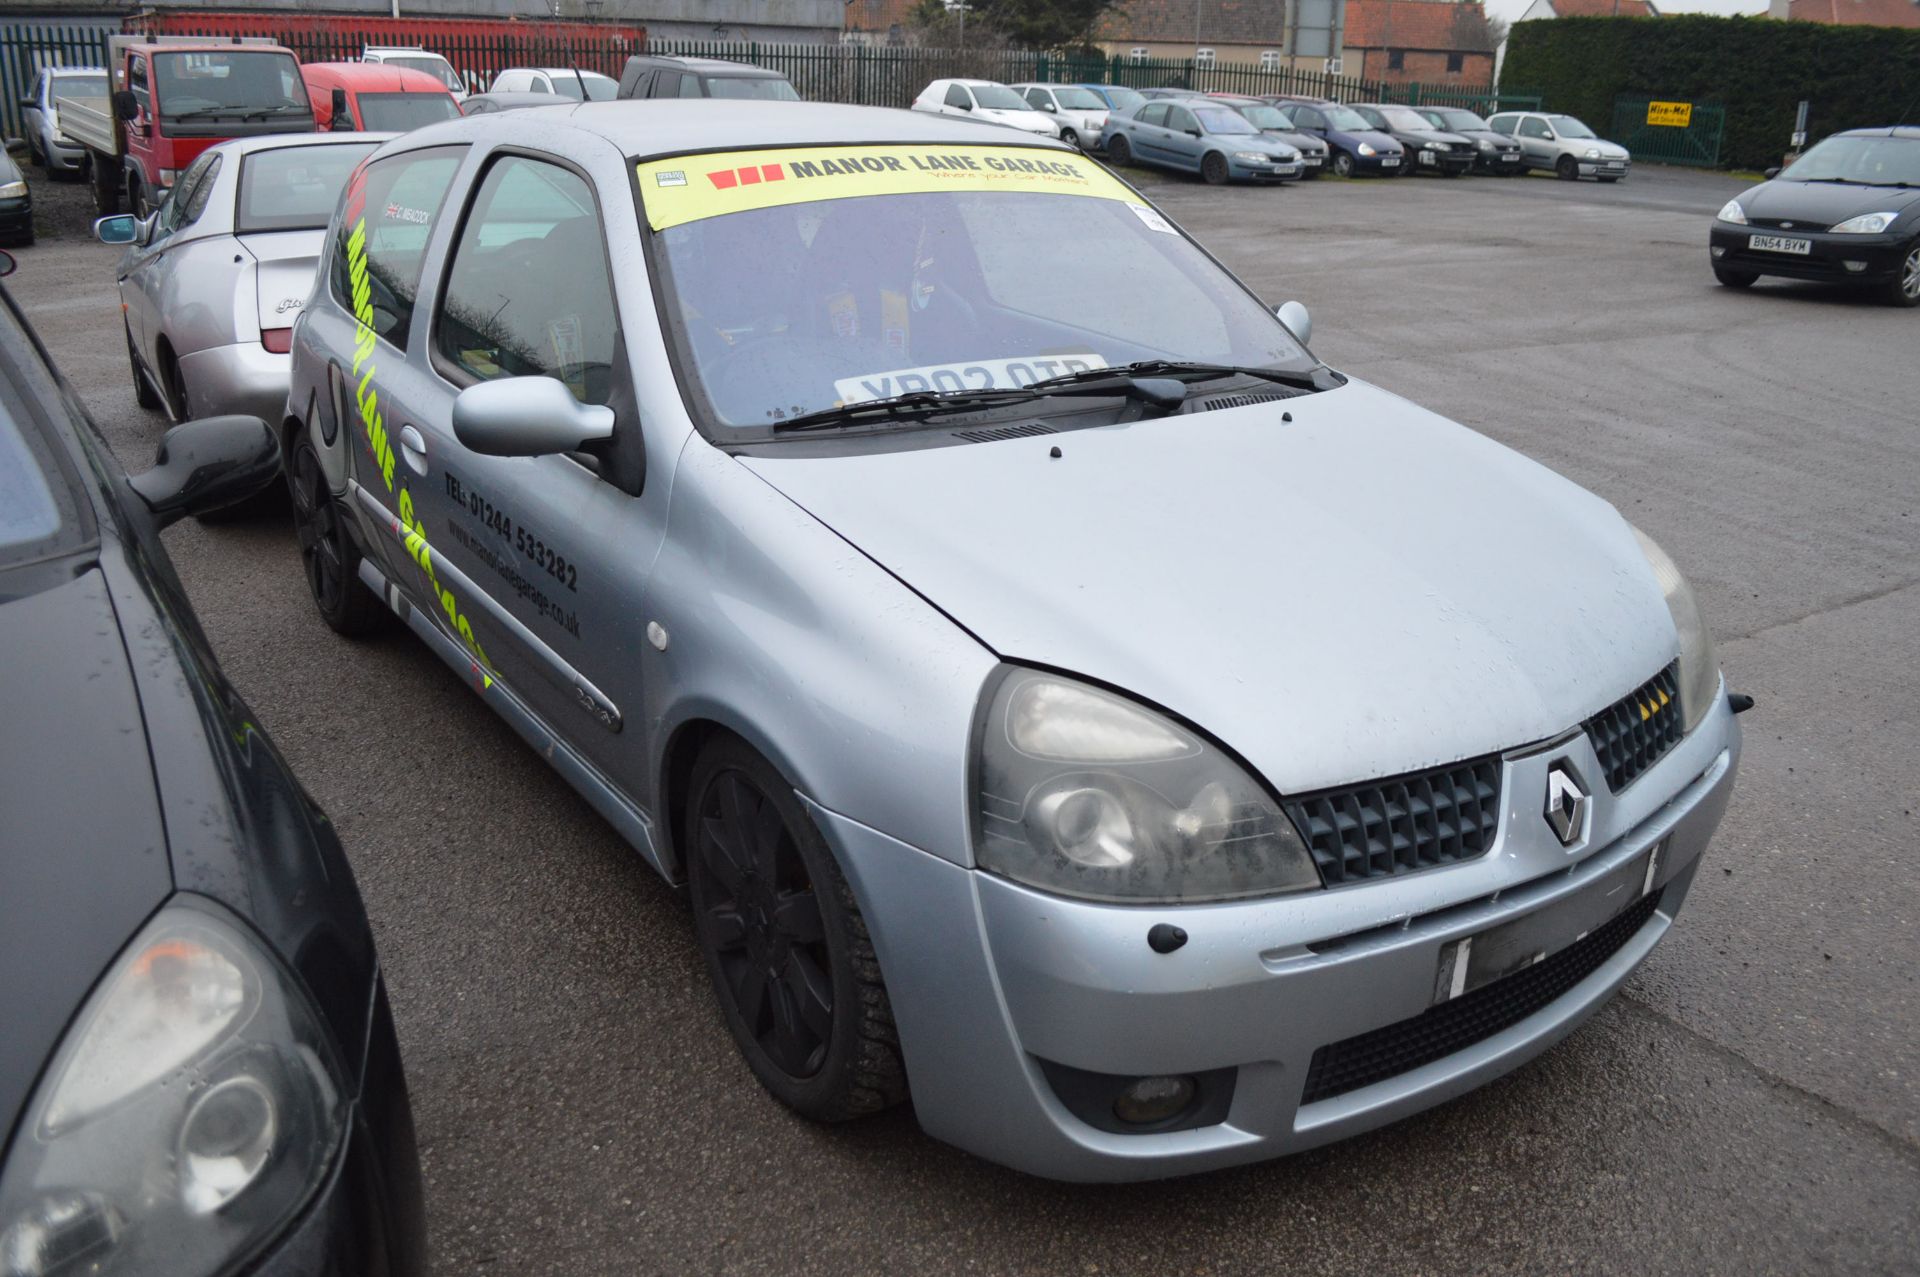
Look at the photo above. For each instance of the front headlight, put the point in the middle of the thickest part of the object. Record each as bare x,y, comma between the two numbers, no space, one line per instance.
1699,668
1084,793
1484,144
12,190
1366,148
1252,157
1593,153
1732,212
187,1116
1865,224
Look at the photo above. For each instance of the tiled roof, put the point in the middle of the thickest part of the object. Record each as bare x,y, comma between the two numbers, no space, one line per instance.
1856,13
1415,24
1603,9
878,15
1262,22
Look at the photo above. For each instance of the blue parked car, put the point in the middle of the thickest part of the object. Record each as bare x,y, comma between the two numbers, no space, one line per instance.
1357,146
1120,100
1201,137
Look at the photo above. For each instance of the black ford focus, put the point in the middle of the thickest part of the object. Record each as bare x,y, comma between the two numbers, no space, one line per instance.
198,1068
1846,212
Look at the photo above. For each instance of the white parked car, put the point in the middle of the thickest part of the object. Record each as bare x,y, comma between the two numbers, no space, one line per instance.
566,82
40,119
1078,113
415,58
984,100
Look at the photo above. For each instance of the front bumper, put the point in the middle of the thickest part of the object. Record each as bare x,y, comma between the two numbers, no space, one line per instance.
1498,161
1604,168
62,158
1878,257
1442,161
989,979
16,217
1380,163
242,378
1270,171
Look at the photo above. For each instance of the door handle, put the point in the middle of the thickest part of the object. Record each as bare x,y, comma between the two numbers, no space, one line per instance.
414,448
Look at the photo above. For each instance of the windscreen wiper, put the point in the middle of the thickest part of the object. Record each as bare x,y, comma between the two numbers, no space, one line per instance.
919,405
1182,370
260,113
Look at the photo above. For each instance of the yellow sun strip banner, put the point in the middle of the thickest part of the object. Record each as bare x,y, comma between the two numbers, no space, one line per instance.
689,188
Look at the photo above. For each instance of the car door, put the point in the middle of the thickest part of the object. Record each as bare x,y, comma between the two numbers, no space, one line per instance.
1536,140
1185,142
149,281
1148,133
958,101
558,553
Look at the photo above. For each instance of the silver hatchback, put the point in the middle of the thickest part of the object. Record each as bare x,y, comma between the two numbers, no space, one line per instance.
1059,692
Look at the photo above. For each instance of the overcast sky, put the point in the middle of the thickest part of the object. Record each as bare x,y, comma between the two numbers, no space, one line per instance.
1511,9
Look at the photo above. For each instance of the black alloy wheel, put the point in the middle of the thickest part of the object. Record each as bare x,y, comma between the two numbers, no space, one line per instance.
1213,169
786,947
1568,168
327,554
1119,151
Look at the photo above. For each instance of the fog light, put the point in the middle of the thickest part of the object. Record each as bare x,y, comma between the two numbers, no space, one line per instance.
1153,1099
64,1232
1854,266
225,1141
1718,251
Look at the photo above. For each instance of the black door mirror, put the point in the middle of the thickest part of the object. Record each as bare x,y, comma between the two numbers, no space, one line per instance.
1771,173
204,465
125,105
28,104
342,113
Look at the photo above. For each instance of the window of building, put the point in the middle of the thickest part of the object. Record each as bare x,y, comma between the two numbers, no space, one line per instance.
1455,63
1396,59
1203,57
1136,55
1269,59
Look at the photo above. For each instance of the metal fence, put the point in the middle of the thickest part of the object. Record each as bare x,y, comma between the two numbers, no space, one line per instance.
1653,130
870,76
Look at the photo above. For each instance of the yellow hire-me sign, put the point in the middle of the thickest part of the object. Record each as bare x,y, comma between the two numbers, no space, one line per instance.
1674,114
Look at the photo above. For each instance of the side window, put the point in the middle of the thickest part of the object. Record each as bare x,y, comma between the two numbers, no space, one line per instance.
202,192
531,220
957,95
393,204
1501,124
538,86
1308,118
1038,99
1534,128
186,201
690,86
39,93
137,82
1154,113
1181,120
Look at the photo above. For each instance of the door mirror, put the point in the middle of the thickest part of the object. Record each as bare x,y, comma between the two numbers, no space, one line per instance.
125,105
1771,173
1191,132
527,417
122,228
28,104
204,465
341,112
7,264
1297,320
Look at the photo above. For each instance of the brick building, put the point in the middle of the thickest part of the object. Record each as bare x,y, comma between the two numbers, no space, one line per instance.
1431,41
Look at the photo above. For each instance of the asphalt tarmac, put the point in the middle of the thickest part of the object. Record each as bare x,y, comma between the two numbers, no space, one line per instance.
1750,1103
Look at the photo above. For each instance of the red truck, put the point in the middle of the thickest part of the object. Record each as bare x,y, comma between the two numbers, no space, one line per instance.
169,100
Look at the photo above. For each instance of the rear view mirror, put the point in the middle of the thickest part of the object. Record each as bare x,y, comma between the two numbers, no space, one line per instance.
1297,320
527,417
122,228
204,465
342,113
125,105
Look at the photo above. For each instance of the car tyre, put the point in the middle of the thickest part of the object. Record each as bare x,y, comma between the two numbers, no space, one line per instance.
1735,278
1609,180
1119,151
327,552
106,189
790,957
1342,164
1213,169
1904,288
143,391
1568,168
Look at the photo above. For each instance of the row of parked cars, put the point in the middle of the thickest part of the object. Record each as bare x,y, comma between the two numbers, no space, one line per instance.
1280,137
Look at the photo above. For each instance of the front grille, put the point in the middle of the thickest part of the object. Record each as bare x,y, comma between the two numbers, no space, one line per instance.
1441,1030
1633,733
1402,824
1788,224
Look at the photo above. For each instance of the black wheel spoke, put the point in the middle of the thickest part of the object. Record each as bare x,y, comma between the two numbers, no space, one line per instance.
796,914
789,1047
750,995
717,843
812,993
726,928
767,833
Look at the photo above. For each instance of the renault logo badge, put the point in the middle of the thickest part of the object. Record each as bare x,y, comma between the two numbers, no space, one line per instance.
1566,805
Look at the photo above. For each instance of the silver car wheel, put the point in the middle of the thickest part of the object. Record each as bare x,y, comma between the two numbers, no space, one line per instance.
1910,277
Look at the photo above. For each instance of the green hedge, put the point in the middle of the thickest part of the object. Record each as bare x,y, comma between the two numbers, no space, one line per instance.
1759,69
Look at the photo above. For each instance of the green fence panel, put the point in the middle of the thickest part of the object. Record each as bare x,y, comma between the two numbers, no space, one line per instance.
1696,143
28,48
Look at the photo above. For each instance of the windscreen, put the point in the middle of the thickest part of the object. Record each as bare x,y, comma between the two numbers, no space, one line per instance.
1265,117
1218,119
1401,117
1078,100
437,67
998,97
767,88
799,280
1871,161
294,188
597,88
228,83
398,112
1124,100
1345,117
1567,126
1459,120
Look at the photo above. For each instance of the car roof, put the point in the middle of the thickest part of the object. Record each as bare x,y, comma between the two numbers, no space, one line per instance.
369,77
59,71
712,66
561,71
1911,131
679,126
281,141
520,97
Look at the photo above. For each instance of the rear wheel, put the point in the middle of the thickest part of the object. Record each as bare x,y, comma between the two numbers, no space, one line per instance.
1568,168
788,952
327,552
106,188
172,383
1119,150
1213,169
1735,278
1342,164
1904,288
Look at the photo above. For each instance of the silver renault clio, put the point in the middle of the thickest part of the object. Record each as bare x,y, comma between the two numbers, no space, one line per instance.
1063,697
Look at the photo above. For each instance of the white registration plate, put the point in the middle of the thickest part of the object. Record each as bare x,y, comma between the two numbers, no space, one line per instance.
1313,161
1779,244
1511,157
1390,161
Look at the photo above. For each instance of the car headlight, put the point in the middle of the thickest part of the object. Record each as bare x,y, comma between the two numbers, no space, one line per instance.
187,1115
1366,148
1252,157
1732,212
1865,224
12,190
1085,793
1484,144
1593,153
1699,668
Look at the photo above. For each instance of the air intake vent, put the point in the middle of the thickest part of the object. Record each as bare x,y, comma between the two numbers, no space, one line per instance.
1005,432
1239,401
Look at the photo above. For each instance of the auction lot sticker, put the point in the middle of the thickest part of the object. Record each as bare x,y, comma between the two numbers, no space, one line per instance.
977,374
691,187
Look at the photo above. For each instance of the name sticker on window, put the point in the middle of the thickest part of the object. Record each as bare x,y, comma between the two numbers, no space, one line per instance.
978,374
